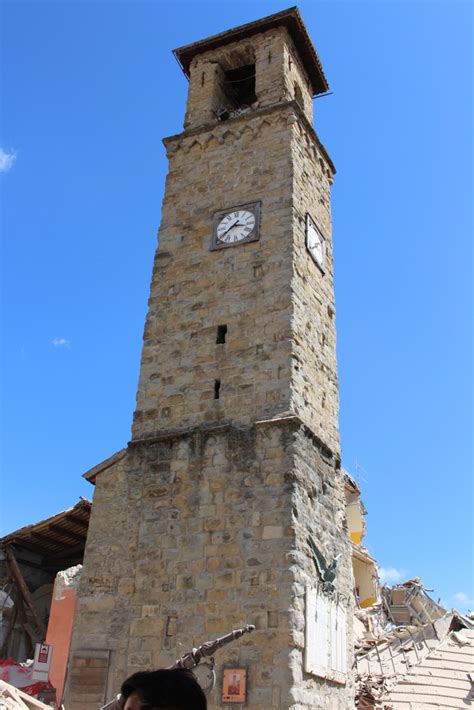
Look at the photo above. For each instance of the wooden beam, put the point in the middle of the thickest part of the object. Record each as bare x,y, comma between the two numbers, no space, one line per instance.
22,586
28,563
22,620
67,533
27,545
77,520
10,627
44,539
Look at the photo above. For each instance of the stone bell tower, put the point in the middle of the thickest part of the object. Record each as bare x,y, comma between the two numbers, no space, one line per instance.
226,507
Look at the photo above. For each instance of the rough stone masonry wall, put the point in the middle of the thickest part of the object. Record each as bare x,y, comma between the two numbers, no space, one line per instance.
314,367
195,534
277,71
246,287
195,542
319,511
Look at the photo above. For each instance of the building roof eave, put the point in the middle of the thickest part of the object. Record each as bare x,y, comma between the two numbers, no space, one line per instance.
290,18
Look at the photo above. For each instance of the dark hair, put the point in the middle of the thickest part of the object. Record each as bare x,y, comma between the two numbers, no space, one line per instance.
165,688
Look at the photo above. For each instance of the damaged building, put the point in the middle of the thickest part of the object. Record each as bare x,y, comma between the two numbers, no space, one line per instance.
409,652
40,567
412,654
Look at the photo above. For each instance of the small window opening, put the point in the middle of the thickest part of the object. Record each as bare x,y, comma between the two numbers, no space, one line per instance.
299,95
171,625
217,387
221,333
239,86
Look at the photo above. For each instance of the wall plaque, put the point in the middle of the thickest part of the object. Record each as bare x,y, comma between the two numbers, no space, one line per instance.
326,637
234,685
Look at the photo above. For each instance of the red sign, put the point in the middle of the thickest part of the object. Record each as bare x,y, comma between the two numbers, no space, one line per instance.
43,653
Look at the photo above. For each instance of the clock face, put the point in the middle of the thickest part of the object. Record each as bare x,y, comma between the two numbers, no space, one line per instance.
235,226
240,224
315,242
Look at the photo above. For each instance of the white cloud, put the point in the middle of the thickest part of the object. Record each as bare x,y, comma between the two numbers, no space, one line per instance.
463,598
6,160
391,575
61,343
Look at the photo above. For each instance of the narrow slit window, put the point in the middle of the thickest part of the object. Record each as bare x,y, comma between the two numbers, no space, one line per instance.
217,387
299,96
221,333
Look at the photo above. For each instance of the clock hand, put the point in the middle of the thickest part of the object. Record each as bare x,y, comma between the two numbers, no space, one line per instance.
231,227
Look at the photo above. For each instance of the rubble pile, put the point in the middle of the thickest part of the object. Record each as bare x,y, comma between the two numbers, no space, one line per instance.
394,637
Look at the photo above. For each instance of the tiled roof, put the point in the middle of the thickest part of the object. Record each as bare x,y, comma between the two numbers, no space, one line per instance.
290,18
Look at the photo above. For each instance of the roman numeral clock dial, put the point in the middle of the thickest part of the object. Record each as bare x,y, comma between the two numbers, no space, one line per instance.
240,224
235,227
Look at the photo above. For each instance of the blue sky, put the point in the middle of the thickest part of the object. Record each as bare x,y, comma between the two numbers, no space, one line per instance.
89,90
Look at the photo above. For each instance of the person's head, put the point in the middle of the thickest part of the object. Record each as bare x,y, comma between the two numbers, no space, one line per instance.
165,689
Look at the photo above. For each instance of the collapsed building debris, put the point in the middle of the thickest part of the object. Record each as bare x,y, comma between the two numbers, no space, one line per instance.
441,679
409,603
12,698
60,623
34,560
364,567
30,558
424,663
369,691
410,652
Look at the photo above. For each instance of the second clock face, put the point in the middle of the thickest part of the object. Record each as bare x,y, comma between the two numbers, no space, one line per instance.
315,242
240,224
